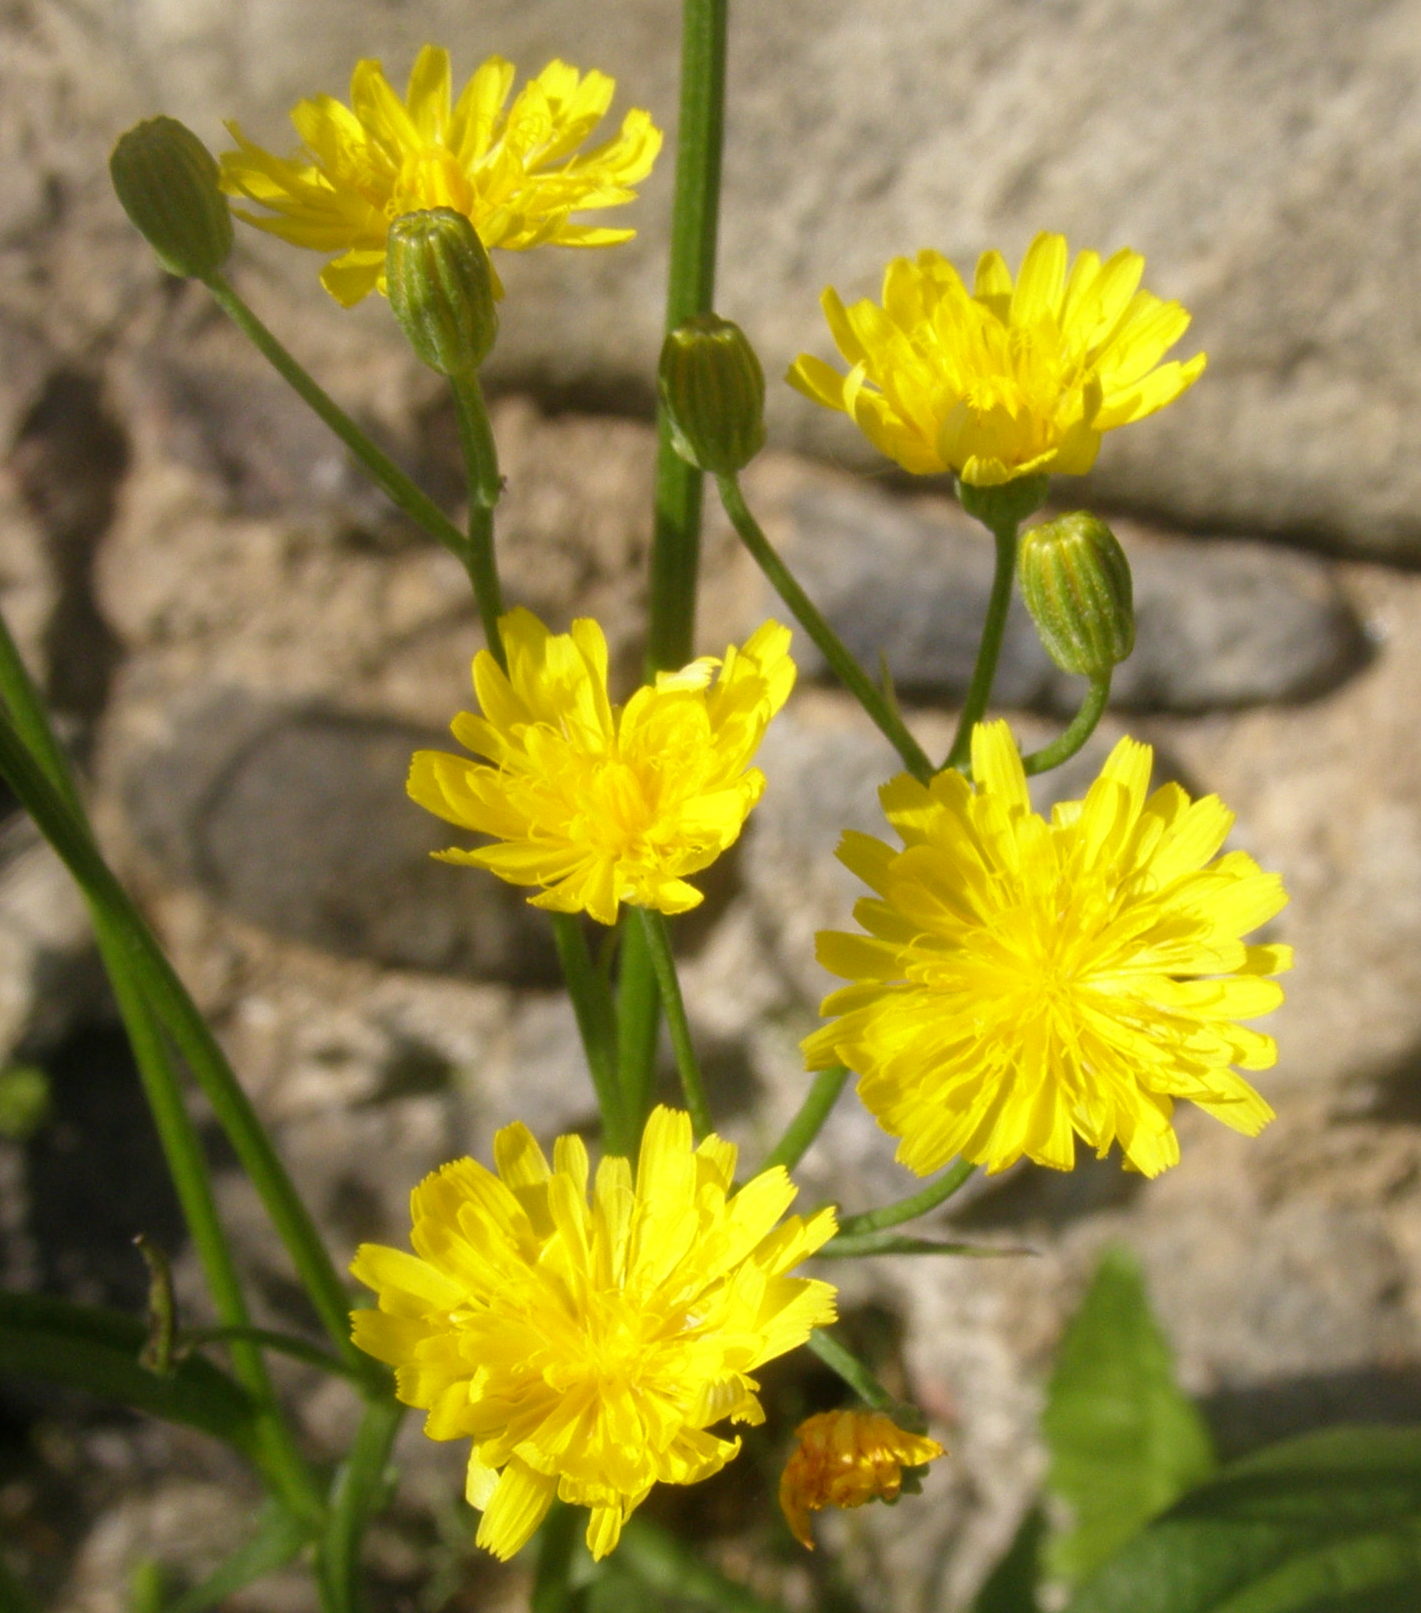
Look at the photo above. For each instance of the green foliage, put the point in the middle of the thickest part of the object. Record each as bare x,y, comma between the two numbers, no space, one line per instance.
24,1101
1124,1440
1327,1523
1011,1586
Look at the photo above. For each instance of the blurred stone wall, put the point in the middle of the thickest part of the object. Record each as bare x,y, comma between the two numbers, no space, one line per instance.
243,646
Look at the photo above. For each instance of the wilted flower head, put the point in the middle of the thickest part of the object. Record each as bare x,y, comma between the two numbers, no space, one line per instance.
587,1348
1005,380
599,804
1026,982
845,1458
514,174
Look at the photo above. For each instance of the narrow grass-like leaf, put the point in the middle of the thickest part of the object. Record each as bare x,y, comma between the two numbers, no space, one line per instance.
278,1538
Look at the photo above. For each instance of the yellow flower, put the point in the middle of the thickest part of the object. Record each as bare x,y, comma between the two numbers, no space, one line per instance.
513,174
598,804
1024,982
586,1349
1003,381
844,1458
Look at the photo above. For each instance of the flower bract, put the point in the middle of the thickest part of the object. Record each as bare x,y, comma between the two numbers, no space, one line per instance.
514,172
1025,982
598,804
845,1458
586,1347
1009,379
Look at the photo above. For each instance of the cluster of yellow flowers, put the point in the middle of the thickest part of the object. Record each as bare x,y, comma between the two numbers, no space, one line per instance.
1017,982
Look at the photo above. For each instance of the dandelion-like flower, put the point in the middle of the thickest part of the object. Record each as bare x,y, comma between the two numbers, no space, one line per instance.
843,1459
1005,380
587,1348
1025,982
598,804
514,174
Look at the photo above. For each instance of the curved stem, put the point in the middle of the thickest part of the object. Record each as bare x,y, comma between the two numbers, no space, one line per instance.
359,1488
596,1023
806,1125
854,1373
848,671
387,475
658,944
979,691
938,1191
1082,726
485,486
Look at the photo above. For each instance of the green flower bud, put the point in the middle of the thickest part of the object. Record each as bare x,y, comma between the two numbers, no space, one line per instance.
167,181
1076,581
441,288
714,392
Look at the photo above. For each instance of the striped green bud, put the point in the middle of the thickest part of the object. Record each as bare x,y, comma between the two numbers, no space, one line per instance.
167,181
714,392
441,288
1076,582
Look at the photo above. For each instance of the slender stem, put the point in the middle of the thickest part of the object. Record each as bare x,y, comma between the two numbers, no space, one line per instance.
485,485
1082,726
167,997
851,1370
596,1023
806,1125
638,1027
557,1550
938,1191
658,944
392,481
675,549
182,1148
359,1488
848,671
282,1343
979,691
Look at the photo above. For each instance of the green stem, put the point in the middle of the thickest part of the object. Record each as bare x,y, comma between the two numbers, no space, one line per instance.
675,1571
658,944
26,730
848,671
1082,726
695,213
557,1551
164,993
392,481
485,486
596,1023
282,1343
806,1125
851,1370
638,1027
938,1191
360,1487
979,691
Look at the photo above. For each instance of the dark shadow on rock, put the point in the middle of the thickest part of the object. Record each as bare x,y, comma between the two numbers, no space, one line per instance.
69,459
1394,1096
1244,1419
1031,1195
296,819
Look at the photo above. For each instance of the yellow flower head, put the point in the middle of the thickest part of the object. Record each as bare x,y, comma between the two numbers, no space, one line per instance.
844,1458
1025,982
599,804
586,1348
1005,380
513,174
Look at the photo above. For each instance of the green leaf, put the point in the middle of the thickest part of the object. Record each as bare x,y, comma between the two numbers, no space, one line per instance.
1124,1440
89,1348
1328,1523
856,1245
1012,1585
676,1570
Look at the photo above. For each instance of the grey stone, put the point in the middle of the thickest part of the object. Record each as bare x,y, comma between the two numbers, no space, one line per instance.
297,820
1221,623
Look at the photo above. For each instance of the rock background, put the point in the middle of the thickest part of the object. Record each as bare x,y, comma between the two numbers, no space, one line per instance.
242,645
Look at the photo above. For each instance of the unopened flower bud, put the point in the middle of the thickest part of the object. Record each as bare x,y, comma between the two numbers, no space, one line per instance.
441,288
845,1458
1076,581
167,181
714,392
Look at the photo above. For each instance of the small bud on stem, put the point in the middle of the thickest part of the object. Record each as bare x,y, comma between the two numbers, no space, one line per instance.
714,392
